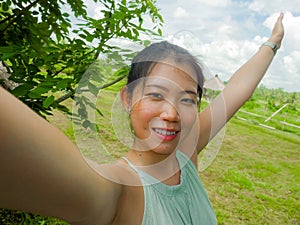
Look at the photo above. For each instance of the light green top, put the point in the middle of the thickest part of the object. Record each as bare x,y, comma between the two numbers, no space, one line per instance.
184,204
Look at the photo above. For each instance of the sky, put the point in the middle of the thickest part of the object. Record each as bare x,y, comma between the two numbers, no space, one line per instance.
224,34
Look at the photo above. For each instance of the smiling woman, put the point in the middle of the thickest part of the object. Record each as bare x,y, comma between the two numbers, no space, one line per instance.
42,171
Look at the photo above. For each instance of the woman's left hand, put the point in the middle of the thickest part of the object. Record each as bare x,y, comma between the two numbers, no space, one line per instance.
278,31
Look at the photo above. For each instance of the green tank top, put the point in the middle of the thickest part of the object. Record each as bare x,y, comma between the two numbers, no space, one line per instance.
184,204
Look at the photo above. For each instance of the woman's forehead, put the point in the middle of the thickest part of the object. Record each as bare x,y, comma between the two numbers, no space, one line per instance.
172,72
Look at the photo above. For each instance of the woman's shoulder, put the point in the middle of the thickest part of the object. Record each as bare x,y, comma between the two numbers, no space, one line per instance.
110,190
118,172
129,190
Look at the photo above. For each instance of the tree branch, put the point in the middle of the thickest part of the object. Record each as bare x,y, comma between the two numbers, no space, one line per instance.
113,82
71,93
64,97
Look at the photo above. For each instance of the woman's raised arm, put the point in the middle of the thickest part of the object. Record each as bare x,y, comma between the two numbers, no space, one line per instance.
239,88
42,171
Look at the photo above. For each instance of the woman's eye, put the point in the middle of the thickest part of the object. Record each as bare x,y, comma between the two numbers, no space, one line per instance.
155,95
188,101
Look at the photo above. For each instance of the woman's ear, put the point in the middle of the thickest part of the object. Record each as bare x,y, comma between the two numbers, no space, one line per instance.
126,99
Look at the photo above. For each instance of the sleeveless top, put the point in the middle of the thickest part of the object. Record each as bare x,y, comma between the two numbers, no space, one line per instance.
184,204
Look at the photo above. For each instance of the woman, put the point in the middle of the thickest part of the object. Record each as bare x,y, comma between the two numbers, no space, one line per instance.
43,172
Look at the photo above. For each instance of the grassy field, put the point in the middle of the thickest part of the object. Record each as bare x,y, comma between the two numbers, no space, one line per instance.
254,179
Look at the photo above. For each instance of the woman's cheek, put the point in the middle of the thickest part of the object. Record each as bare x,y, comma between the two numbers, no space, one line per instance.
141,116
147,110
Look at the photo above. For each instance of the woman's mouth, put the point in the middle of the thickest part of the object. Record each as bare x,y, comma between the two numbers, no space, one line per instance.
164,134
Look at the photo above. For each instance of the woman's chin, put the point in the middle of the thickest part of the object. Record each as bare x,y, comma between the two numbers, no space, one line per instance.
157,145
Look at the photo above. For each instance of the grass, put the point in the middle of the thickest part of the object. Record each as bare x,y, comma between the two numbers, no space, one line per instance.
254,179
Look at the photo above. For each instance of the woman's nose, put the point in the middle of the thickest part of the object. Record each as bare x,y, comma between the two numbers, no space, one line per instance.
169,112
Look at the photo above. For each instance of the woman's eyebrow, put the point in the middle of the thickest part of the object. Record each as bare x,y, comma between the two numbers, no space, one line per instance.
157,86
166,89
190,92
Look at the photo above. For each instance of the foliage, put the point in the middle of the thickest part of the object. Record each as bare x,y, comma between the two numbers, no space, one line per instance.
45,55
8,217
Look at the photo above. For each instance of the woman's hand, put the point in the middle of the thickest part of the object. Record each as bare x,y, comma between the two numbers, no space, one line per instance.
278,31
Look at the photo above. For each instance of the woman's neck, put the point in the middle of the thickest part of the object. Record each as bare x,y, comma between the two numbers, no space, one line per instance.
161,166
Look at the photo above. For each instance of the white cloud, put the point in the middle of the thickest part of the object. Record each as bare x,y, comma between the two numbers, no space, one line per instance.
269,7
180,13
215,3
292,62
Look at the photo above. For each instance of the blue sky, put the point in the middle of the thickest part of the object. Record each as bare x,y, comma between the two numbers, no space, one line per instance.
225,33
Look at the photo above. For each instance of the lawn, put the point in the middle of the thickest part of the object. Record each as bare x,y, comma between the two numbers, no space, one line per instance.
254,179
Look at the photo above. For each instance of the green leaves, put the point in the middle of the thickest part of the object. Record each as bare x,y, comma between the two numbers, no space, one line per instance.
48,101
48,58
22,90
93,89
7,52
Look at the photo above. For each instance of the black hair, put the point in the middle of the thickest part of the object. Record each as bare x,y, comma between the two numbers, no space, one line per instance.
145,60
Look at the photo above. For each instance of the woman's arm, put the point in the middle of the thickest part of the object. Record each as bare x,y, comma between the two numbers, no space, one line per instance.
42,171
238,90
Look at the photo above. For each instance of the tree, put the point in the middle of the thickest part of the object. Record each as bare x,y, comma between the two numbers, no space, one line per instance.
45,56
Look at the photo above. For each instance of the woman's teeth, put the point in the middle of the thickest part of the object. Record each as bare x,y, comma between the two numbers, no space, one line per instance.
164,132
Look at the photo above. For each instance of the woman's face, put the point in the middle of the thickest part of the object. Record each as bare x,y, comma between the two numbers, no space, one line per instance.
164,108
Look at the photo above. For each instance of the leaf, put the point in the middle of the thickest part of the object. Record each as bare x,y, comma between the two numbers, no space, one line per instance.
94,127
6,55
5,6
82,36
33,69
93,89
86,123
62,84
8,49
135,31
66,14
97,77
147,42
37,92
63,108
82,113
122,72
159,32
48,101
80,42
89,38
99,112
22,90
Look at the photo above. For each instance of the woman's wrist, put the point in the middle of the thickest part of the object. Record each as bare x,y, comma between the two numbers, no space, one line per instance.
275,40
271,45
